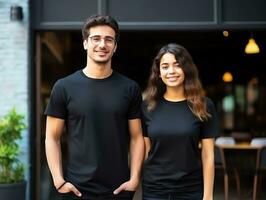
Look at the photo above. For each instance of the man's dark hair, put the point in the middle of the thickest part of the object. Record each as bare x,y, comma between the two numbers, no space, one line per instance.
98,20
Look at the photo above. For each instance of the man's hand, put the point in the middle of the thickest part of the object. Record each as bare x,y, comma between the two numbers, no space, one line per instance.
130,185
69,187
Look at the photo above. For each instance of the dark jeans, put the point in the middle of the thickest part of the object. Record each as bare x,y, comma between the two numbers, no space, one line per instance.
124,195
171,196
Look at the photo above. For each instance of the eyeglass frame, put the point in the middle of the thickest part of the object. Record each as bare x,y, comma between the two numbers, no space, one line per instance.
112,40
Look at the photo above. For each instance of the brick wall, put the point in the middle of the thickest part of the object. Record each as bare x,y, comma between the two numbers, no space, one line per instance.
14,65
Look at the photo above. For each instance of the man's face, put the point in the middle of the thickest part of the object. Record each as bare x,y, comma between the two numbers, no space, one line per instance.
100,44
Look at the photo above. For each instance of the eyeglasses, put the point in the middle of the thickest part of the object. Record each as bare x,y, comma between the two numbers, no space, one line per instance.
96,40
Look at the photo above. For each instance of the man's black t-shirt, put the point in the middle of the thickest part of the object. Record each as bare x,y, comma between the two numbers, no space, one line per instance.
96,112
173,163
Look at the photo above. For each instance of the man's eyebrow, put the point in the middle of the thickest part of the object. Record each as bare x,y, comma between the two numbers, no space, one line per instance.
95,35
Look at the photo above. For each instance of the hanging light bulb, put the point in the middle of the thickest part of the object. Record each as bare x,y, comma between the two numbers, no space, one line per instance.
227,77
225,33
252,47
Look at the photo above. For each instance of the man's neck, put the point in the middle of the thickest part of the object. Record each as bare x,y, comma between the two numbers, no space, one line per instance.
98,71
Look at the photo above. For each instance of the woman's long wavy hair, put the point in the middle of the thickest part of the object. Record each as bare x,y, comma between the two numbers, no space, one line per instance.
192,86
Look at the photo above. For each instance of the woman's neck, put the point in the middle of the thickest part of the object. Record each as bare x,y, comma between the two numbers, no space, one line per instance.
175,94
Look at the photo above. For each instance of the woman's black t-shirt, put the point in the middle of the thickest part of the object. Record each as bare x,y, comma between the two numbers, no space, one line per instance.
173,163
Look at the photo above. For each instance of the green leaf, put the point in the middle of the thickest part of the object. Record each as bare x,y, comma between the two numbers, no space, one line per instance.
11,129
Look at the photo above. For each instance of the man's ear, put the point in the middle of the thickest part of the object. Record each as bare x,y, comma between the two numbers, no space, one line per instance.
85,44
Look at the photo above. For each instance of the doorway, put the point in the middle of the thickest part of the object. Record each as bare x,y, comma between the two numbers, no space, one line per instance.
60,53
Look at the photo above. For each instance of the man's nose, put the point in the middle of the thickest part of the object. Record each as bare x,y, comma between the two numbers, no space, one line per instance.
102,43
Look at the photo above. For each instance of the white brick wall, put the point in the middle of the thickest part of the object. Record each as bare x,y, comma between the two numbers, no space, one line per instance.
14,65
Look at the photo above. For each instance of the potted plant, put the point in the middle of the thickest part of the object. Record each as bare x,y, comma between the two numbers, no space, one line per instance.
12,182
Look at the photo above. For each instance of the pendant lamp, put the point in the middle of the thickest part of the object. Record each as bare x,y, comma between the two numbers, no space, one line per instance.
252,47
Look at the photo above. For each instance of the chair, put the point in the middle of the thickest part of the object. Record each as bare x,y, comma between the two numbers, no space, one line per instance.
260,161
225,140
220,163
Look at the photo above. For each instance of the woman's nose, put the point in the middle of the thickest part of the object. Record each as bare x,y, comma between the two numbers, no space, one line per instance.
171,69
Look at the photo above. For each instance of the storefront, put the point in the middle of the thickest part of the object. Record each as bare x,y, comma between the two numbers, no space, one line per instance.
146,26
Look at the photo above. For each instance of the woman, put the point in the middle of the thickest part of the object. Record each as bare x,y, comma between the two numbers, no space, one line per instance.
176,118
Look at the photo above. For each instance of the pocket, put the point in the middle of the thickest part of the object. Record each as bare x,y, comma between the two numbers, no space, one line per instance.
127,194
66,196
123,195
129,191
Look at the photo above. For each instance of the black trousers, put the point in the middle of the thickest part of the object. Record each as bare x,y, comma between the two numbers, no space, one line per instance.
124,195
171,196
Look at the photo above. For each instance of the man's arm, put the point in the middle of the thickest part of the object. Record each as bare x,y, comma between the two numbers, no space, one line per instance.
54,130
136,149
136,156
147,142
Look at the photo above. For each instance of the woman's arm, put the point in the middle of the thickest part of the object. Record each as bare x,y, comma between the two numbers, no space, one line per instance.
207,155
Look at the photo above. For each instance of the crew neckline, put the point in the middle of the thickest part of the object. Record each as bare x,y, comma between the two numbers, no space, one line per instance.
97,79
174,102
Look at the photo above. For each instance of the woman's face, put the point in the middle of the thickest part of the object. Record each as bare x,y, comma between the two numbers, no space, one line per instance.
170,71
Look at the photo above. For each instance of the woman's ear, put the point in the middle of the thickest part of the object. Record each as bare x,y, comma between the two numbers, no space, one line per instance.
115,48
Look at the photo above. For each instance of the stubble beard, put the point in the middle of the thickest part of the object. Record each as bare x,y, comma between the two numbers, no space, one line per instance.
101,62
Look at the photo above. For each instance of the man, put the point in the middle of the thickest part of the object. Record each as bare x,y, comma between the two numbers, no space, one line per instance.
101,111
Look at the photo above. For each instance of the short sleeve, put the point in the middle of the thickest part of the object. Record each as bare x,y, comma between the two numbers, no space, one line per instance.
210,127
57,103
135,102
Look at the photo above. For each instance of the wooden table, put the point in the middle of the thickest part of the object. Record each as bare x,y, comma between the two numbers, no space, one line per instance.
240,146
242,156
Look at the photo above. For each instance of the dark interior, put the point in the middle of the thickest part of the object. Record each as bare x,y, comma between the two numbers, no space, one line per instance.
62,53
213,53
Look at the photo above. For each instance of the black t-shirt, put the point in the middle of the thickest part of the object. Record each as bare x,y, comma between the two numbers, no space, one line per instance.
173,163
96,112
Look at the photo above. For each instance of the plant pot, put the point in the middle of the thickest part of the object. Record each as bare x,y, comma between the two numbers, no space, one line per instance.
13,191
